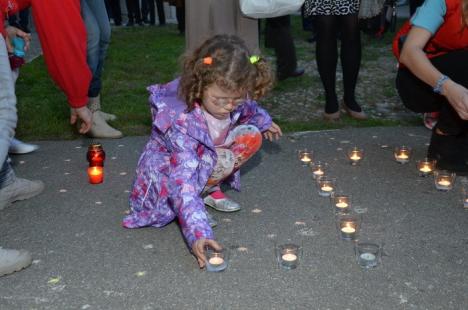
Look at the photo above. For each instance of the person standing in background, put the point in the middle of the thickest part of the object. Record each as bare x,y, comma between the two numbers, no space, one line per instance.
147,6
134,14
331,19
98,37
205,18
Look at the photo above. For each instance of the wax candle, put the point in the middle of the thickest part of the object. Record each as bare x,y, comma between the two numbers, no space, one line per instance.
306,158
348,230
443,182
289,257
402,154
465,203
341,205
318,172
216,260
96,175
95,155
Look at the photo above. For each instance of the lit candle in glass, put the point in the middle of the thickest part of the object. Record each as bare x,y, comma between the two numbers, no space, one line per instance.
326,186
215,260
288,255
402,154
426,166
96,175
348,226
444,180
305,156
318,169
340,203
355,155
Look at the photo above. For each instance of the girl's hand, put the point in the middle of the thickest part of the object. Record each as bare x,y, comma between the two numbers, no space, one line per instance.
198,249
273,133
457,95
15,32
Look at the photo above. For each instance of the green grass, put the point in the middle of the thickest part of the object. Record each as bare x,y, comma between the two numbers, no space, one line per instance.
138,57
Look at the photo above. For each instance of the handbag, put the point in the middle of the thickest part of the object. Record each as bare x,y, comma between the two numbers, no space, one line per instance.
269,8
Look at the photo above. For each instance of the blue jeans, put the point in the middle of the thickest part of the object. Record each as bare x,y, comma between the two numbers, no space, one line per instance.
99,32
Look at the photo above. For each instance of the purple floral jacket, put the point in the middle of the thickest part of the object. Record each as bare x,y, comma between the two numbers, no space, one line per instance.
177,161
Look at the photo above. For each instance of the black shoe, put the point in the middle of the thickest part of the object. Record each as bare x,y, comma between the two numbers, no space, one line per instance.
296,73
450,152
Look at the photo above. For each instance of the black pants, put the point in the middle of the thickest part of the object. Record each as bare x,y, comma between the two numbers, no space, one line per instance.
148,6
133,8
114,11
419,96
278,36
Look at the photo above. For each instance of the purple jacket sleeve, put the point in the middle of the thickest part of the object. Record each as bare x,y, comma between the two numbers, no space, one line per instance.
253,114
185,187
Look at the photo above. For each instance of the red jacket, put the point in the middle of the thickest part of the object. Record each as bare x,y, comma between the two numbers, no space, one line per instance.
62,34
451,36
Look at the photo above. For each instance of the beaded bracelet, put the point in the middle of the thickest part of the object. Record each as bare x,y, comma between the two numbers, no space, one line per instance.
440,82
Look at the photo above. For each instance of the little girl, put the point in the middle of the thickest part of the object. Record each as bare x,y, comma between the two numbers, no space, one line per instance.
205,126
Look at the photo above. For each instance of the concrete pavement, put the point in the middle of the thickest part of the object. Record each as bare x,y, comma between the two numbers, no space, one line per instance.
84,259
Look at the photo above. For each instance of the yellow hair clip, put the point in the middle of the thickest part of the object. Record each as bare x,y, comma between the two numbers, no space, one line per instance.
254,59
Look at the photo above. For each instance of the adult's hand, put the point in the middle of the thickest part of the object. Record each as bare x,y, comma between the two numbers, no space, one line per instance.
86,117
198,249
457,95
13,32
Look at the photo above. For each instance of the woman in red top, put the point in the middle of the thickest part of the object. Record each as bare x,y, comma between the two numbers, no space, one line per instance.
63,40
433,76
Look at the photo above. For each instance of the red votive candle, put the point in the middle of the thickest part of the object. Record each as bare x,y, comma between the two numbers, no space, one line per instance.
96,175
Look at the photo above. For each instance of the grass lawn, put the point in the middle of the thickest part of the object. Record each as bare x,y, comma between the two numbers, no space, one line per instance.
138,57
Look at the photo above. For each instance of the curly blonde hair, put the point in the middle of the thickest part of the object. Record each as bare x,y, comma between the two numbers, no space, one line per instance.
223,60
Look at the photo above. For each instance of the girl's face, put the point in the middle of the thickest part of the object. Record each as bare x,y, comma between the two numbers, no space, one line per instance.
219,102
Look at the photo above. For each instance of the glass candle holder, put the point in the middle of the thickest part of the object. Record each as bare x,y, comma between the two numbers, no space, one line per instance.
216,261
348,226
402,154
368,254
326,186
305,156
355,155
340,203
318,169
444,180
426,167
96,175
465,193
288,255
96,155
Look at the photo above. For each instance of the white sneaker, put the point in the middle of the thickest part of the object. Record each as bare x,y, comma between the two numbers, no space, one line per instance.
13,260
20,189
19,147
223,204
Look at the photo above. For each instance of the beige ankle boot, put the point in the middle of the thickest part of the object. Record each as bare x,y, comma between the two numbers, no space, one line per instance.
100,128
94,104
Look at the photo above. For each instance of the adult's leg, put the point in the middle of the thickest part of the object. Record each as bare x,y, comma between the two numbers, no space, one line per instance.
180,15
350,56
278,33
161,14
116,11
327,58
99,32
130,12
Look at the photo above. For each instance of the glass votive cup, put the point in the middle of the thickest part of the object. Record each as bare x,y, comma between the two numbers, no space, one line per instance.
306,157
341,203
464,184
368,254
355,155
426,167
348,226
288,255
216,260
96,175
326,186
318,169
444,180
402,154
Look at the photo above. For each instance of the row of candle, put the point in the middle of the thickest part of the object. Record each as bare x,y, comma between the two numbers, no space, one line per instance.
443,180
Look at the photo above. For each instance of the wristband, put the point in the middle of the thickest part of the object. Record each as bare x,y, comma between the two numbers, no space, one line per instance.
440,82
